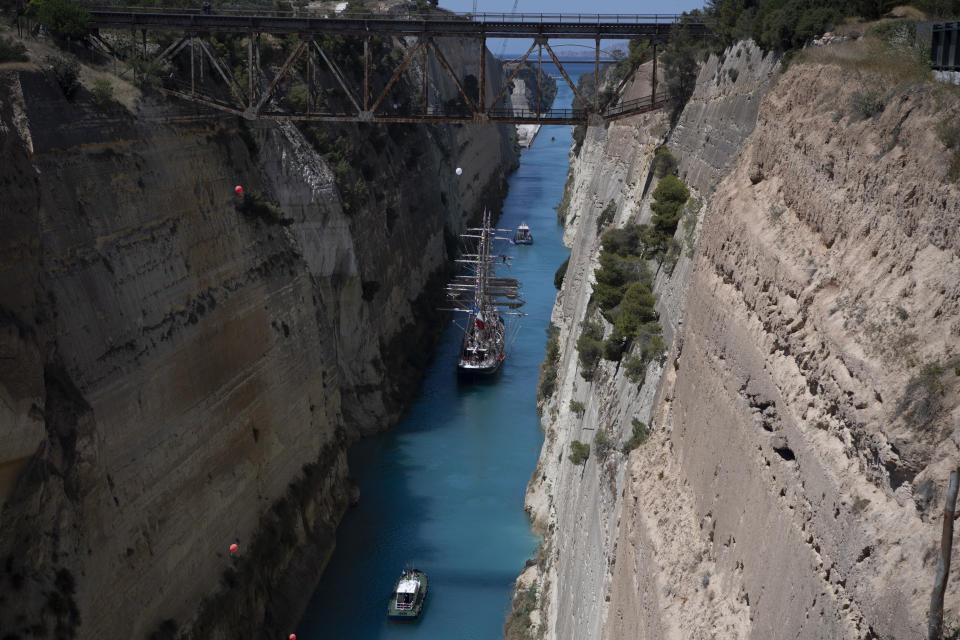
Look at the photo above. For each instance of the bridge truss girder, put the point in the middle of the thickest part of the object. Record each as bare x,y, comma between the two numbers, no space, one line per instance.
256,102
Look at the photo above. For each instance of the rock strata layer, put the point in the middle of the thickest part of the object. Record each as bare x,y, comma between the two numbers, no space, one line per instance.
184,368
806,416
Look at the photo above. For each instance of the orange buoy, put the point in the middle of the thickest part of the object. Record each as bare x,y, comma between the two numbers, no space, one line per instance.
234,547
239,190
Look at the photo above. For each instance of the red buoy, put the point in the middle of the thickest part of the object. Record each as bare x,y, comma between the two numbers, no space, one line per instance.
239,190
234,547
293,636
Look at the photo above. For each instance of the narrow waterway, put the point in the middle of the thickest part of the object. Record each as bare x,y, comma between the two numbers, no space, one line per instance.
444,489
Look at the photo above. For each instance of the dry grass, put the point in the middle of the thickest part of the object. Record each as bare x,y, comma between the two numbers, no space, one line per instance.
872,56
909,12
124,91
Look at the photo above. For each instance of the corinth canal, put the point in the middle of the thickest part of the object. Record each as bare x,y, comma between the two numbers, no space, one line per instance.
444,489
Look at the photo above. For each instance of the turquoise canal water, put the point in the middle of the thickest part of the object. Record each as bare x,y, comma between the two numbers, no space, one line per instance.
444,489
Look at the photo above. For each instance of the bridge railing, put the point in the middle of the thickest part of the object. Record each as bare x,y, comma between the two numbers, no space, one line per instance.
552,114
532,18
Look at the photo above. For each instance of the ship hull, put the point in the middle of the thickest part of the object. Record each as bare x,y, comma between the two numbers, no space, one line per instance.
468,370
412,614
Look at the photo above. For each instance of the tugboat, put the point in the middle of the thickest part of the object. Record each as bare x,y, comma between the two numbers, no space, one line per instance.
522,236
409,596
483,297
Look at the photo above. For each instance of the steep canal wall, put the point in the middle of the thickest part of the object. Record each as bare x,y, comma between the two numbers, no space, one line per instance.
805,415
183,368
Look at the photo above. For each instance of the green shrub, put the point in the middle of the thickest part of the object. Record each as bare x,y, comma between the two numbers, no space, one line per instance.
577,408
663,163
602,445
636,309
517,625
867,104
102,92
561,274
669,197
606,216
63,18
255,207
12,51
296,98
147,72
636,369
640,434
590,349
579,452
896,33
650,341
783,25
548,370
650,345
616,273
614,346
66,72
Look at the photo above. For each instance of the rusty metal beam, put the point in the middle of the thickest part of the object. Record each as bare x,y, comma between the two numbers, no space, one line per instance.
596,78
250,93
227,77
539,70
653,92
193,83
626,79
202,100
291,59
366,73
512,76
396,74
173,49
446,66
309,78
482,99
426,82
338,75
563,71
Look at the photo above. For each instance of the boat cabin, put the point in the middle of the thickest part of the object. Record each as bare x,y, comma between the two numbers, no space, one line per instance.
522,236
407,594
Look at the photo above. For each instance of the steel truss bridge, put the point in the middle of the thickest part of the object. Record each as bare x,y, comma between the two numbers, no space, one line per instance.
259,96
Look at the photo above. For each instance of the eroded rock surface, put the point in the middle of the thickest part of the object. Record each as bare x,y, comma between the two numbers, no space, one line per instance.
181,372
806,416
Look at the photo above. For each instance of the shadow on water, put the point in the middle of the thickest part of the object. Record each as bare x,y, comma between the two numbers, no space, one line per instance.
444,490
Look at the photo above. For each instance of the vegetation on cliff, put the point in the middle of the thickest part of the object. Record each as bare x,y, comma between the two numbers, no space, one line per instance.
12,51
782,25
548,370
63,18
579,452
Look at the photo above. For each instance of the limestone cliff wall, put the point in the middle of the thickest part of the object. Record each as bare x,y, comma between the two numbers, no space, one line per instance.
179,374
792,483
825,283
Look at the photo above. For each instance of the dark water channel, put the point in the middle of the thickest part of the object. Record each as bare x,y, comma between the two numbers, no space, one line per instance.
444,489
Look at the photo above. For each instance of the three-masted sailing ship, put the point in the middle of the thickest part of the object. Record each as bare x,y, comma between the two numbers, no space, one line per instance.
485,298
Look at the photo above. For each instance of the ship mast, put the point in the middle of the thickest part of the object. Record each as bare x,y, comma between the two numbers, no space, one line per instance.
484,292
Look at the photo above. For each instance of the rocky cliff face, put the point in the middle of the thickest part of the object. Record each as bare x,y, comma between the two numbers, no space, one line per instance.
806,415
182,370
